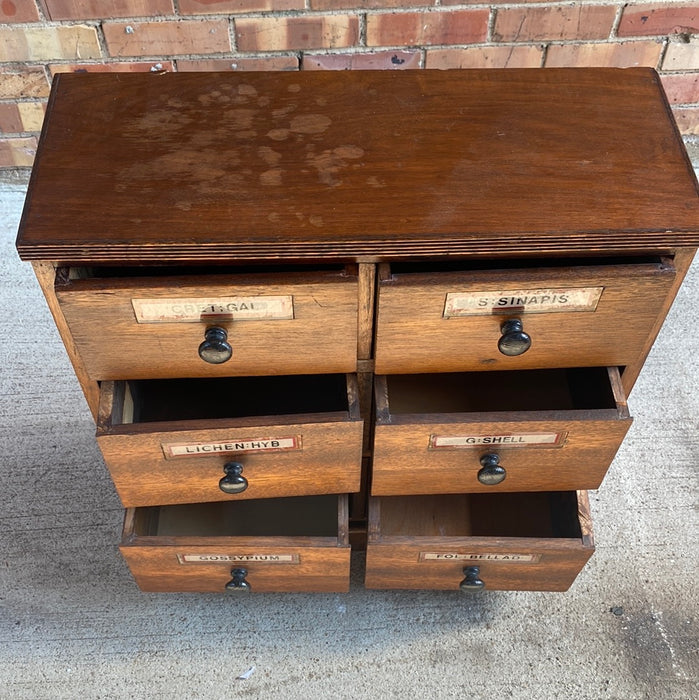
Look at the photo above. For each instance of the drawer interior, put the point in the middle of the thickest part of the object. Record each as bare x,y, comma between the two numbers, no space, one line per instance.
542,514
471,264
303,516
534,390
123,271
150,400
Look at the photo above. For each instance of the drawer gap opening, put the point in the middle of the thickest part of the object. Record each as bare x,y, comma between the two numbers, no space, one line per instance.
541,514
153,400
303,516
116,272
472,264
580,388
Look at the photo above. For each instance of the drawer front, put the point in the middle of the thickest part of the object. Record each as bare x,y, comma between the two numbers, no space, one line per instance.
513,566
191,461
270,568
577,316
528,455
294,323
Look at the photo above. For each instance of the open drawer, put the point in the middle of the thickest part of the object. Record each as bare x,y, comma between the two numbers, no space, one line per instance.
449,317
136,323
536,430
522,541
279,545
197,440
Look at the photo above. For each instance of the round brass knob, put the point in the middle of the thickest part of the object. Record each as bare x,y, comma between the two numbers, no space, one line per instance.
492,472
472,581
215,348
238,582
234,481
513,341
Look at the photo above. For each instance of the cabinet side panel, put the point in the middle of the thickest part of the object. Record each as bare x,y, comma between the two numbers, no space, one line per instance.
45,273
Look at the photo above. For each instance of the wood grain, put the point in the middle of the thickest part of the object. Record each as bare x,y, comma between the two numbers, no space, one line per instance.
220,166
322,562
320,338
46,273
394,560
413,335
329,459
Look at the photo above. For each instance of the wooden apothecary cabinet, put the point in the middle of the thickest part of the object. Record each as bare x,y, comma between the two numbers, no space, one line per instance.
400,312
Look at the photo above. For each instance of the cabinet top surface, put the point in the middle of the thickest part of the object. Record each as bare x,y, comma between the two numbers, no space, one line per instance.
357,165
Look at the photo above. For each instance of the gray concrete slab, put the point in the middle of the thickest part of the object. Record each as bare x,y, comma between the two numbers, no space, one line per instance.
73,624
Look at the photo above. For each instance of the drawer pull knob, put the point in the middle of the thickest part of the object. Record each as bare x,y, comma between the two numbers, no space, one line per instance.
238,582
473,581
215,349
513,341
492,472
234,481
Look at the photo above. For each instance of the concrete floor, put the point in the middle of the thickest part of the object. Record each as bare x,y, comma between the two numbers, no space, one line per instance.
73,624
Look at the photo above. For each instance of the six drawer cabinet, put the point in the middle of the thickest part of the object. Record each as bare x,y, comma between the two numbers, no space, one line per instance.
407,331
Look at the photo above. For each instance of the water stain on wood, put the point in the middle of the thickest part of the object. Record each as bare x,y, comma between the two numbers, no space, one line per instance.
310,124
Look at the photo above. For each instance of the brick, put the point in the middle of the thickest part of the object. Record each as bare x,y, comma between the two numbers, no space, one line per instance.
18,11
486,57
170,38
687,120
681,89
106,9
120,67
10,120
682,56
427,28
31,115
17,152
618,55
651,20
203,7
554,23
380,60
22,82
36,43
271,63
297,33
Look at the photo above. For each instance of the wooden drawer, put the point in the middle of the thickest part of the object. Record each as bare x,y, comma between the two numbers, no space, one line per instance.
515,541
447,319
283,545
173,441
535,430
136,327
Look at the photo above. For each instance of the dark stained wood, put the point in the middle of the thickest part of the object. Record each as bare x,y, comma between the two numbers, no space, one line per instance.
210,185
208,167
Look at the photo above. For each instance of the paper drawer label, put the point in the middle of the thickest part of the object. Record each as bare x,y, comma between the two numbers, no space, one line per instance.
257,308
522,300
454,556
457,442
233,446
238,558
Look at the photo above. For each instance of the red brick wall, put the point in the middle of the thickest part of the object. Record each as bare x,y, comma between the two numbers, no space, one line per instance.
39,38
